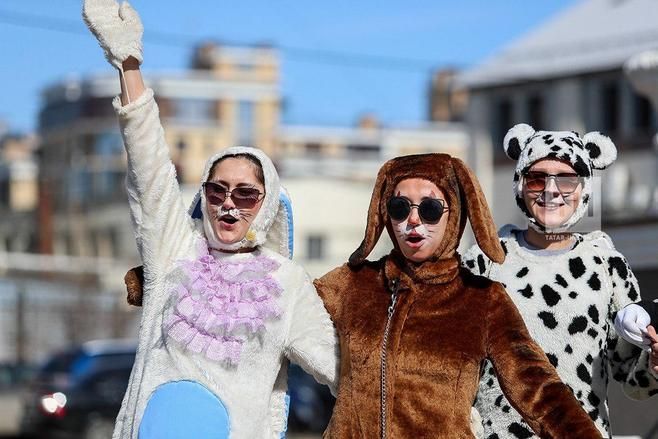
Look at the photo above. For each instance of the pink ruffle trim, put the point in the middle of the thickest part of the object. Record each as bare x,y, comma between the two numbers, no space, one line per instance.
222,304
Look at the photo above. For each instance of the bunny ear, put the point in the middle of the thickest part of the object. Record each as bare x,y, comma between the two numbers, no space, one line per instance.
515,140
601,149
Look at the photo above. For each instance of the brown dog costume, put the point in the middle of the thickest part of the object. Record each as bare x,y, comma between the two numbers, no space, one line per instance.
411,370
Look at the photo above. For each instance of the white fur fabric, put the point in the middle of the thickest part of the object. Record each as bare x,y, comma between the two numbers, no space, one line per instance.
568,302
253,390
117,28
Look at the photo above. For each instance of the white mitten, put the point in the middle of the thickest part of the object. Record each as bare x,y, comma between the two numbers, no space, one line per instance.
631,325
118,29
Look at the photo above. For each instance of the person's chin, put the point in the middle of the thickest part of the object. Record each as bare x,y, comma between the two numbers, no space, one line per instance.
553,222
228,237
415,254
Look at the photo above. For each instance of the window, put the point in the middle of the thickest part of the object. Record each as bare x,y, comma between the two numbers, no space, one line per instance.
194,110
610,108
363,151
245,123
502,122
315,247
536,111
642,113
313,149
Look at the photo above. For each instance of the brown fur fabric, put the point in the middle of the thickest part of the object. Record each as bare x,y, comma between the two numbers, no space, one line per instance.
134,280
444,323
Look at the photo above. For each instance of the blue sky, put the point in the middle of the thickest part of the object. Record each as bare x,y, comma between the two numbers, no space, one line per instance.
418,35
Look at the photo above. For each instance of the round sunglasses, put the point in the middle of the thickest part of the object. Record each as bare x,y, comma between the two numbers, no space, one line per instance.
242,197
430,210
566,183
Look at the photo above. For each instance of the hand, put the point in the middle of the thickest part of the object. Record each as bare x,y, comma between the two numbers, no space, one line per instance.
651,333
631,323
117,28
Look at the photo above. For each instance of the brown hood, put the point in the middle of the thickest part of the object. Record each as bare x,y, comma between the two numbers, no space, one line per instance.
463,196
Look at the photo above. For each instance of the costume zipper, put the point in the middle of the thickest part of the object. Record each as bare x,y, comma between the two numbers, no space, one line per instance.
391,311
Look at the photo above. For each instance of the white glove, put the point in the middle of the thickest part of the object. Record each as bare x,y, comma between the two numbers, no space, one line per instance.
631,325
118,29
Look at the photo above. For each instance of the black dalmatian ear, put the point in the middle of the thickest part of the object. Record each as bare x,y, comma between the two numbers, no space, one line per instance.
515,140
601,150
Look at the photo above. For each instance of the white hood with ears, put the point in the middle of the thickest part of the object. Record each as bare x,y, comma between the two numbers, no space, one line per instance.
272,226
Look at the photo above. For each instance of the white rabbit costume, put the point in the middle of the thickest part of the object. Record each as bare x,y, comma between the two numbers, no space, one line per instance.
217,327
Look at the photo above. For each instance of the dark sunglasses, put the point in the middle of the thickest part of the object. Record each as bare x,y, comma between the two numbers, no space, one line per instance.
566,183
430,210
242,197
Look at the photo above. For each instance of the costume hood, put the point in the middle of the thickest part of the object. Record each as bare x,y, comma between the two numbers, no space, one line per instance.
463,195
525,145
272,226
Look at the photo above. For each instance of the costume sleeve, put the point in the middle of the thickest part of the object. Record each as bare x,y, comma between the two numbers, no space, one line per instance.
158,214
312,341
329,288
527,379
280,404
628,363
476,261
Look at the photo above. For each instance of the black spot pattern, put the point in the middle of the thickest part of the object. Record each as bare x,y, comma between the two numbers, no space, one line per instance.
576,267
527,291
573,294
578,324
481,265
551,297
514,149
522,272
561,281
568,349
548,319
520,431
616,263
552,358
593,149
594,282
593,314
583,374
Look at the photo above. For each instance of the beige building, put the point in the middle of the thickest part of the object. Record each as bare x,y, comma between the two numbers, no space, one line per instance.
230,96
18,192
330,173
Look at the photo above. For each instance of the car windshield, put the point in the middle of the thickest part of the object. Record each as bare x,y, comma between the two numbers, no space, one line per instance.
86,364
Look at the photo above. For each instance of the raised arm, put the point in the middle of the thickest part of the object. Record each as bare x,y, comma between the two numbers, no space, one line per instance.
528,380
159,216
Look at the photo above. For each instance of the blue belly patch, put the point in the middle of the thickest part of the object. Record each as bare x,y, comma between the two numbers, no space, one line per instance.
183,410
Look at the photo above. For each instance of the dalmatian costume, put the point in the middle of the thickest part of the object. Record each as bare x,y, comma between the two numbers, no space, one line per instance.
568,299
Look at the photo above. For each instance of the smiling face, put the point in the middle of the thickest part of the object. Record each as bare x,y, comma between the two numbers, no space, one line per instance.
556,203
230,219
417,238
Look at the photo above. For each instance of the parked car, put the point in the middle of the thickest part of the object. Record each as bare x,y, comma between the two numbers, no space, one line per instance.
77,392
13,377
311,403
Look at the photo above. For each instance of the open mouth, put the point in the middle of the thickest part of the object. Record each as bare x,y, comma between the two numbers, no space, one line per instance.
414,240
228,219
549,205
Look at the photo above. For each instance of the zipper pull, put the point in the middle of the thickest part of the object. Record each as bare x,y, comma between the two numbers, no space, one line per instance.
394,297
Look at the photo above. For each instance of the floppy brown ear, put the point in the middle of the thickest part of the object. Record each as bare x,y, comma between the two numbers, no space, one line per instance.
134,280
478,212
376,220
